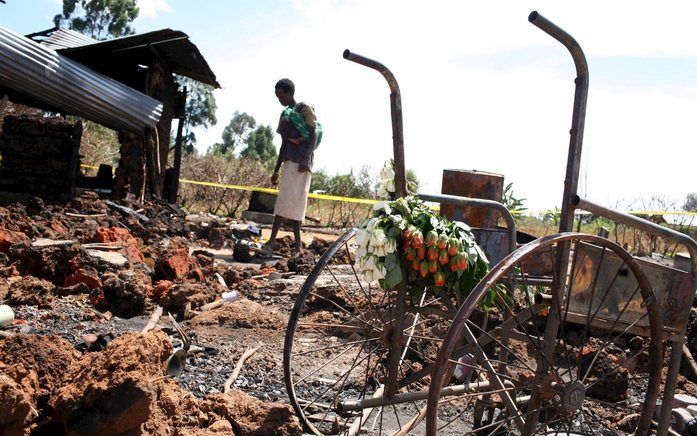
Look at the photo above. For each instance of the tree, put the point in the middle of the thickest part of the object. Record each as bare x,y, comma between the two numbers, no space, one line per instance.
260,145
200,111
100,19
235,133
690,202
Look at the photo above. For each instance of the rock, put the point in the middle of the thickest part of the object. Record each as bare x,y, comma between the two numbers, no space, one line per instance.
122,236
123,295
86,275
636,343
161,289
29,290
177,264
113,258
629,423
682,400
9,238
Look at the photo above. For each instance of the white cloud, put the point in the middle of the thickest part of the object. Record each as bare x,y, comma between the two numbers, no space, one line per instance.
481,89
150,8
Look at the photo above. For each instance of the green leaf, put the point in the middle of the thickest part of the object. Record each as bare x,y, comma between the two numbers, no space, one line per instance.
393,278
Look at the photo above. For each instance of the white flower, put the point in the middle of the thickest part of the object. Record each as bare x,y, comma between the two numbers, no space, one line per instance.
386,173
371,224
361,251
362,237
382,192
378,238
369,263
380,271
390,186
379,251
382,206
390,246
368,274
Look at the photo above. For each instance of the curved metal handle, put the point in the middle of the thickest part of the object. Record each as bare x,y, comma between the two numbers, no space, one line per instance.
396,115
578,118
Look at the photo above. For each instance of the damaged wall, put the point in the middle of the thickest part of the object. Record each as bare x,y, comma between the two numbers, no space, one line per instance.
39,155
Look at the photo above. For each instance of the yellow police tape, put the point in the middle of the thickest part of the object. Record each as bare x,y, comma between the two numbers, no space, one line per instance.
370,201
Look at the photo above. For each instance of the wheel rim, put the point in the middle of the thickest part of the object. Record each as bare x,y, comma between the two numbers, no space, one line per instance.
569,389
337,344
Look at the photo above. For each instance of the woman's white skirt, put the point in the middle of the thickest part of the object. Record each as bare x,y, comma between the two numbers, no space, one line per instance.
292,193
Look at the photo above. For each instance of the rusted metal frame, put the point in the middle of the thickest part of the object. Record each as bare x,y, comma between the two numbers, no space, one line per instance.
578,116
460,321
458,390
396,116
396,346
478,202
674,236
571,180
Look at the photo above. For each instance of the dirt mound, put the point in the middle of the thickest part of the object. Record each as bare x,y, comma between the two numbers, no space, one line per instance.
241,314
320,246
18,396
26,290
122,390
177,296
113,391
48,356
253,417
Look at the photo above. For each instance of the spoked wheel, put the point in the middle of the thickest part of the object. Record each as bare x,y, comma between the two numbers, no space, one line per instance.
574,343
338,345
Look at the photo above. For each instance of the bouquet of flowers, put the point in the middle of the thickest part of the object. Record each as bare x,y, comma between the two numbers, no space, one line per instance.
404,240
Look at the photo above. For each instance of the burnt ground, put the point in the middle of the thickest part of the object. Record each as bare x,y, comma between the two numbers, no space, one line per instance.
83,279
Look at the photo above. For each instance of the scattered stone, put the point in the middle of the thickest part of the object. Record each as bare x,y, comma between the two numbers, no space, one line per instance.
9,238
194,293
123,295
27,290
636,343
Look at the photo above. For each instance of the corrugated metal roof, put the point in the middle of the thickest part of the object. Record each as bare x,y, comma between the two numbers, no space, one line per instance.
171,46
45,75
66,38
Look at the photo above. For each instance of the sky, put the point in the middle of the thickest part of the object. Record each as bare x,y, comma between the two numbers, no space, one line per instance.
481,87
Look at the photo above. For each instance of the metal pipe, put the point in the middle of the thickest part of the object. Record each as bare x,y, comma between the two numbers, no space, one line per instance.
478,202
400,180
364,403
578,117
637,222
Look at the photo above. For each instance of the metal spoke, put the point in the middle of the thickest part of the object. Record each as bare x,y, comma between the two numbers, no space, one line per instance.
497,342
331,347
333,303
348,294
327,363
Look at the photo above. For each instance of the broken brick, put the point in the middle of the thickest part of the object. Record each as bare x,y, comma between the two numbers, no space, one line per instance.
9,238
87,276
116,234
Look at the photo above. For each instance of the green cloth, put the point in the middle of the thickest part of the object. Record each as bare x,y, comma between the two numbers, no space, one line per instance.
298,121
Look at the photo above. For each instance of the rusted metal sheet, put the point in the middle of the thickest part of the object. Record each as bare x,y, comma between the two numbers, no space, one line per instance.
33,70
494,242
672,289
474,184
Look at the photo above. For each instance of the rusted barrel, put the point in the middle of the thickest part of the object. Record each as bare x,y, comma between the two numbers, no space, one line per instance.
474,184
